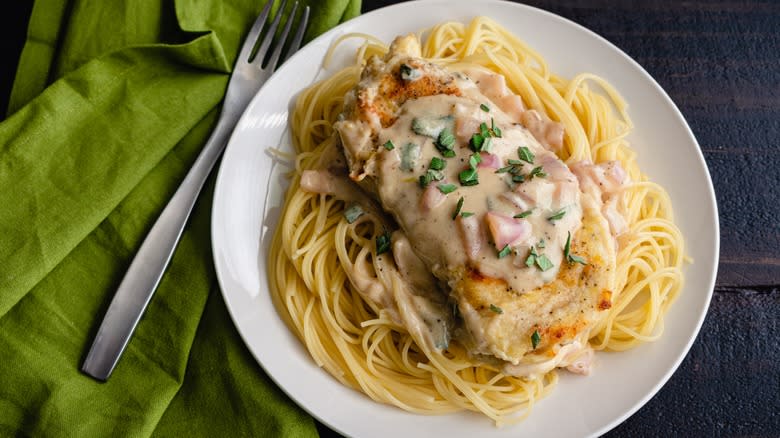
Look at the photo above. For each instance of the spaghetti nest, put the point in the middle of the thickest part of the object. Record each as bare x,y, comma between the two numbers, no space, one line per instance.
316,251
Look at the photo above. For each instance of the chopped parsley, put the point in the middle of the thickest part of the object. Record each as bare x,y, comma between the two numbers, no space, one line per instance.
383,243
523,214
495,129
577,259
409,155
430,175
525,154
445,142
474,160
469,177
437,163
476,142
531,260
484,108
480,141
353,212
571,258
457,208
389,145
483,130
466,214
409,74
496,309
535,339
518,178
543,262
447,188
504,251
537,172
505,169
558,215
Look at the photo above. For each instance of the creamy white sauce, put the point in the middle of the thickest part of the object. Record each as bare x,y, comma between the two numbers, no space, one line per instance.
437,238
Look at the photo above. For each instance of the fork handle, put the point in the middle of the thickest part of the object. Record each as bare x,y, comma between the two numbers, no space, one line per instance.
147,268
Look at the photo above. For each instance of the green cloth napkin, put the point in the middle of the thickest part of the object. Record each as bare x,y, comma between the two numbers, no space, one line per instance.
112,101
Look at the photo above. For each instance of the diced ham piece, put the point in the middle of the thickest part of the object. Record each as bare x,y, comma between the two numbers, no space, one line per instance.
465,126
604,180
614,171
507,230
617,223
549,133
432,197
494,87
606,177
517,200
471,235
512,104
583,364
555,168
318,181
490,161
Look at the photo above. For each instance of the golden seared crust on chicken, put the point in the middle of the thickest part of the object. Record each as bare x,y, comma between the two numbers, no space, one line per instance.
385,85
502,322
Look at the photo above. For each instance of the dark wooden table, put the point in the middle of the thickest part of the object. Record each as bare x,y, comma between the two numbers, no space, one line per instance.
720,62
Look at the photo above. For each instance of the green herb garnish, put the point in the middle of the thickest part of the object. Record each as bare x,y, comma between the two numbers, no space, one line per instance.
447,188
437,164
484,108
487,145
541,243
353,212
571,258
577,259
409,155
409,74
457,208
531,260
535,339
446,139
504,169
504,251
483,130
476,142
430,175
481,140
389,145
474,160
383,243
466,214
469,177
518,178
543,262
523,214
525,154
537,172
496,309
494,129
561,213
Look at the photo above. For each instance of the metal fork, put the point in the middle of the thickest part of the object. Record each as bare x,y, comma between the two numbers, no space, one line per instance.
149,264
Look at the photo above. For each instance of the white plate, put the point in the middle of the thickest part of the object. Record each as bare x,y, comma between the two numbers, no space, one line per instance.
250,189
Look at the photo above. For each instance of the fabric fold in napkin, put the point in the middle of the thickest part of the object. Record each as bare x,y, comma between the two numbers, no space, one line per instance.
112,102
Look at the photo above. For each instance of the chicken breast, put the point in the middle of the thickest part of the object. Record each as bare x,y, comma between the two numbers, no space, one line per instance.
524,256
